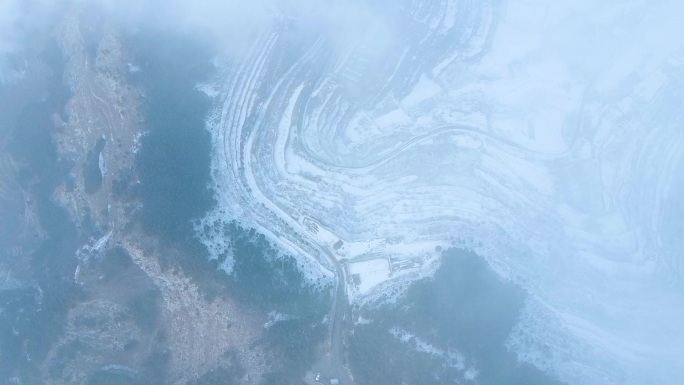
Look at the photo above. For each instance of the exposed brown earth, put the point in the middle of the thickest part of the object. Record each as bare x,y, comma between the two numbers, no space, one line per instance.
197,332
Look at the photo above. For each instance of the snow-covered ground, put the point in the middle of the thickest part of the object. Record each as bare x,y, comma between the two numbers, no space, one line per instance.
367,274
547,135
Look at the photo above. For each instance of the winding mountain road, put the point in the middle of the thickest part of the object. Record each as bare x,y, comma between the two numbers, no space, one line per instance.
332,364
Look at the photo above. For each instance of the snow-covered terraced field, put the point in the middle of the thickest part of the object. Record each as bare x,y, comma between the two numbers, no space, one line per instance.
547,135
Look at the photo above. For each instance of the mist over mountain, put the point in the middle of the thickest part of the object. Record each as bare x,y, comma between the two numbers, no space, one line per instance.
349,191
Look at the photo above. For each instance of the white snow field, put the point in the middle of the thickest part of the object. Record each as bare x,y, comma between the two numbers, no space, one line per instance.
546,135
